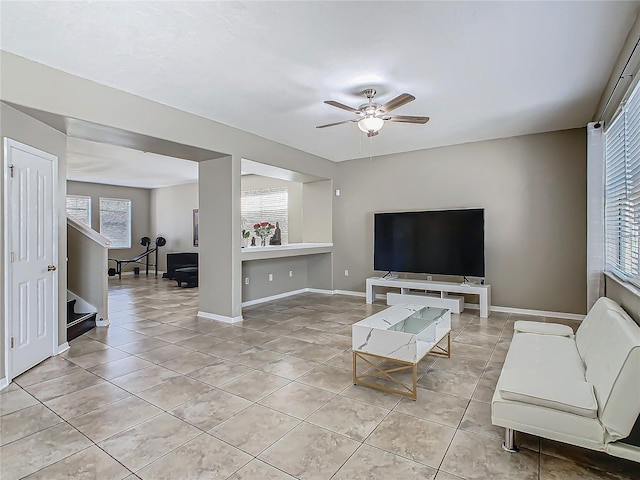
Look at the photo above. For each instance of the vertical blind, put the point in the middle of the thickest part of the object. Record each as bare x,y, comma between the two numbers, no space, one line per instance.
266,205
79,207
622,191
115,221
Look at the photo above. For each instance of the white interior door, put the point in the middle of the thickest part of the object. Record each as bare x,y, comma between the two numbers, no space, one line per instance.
33,254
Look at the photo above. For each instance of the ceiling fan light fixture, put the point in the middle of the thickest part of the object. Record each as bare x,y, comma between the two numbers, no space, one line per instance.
370,124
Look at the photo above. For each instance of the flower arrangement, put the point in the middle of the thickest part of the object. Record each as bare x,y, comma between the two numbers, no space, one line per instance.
264,231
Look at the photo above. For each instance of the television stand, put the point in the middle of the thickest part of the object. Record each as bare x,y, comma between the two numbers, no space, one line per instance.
406,285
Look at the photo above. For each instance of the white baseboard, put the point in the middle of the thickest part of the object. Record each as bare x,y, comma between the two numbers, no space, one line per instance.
320,291
220,318
4,383
103,323
379,296
382,296
63,348
248,303
350,293
526,311
494,308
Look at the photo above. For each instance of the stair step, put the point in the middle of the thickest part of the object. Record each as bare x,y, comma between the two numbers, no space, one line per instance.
78,317
81,324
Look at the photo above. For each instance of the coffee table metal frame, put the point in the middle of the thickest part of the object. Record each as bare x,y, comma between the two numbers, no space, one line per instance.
383,369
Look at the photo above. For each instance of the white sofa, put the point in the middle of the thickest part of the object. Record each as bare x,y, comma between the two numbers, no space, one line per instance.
582,389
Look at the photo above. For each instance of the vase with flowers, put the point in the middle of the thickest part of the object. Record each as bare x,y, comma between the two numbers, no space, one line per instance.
263,230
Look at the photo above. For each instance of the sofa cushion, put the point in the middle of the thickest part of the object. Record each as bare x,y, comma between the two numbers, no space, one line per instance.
568,396
545,356
542,328
546,370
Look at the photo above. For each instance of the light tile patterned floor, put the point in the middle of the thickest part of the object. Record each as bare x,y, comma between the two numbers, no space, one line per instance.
161,394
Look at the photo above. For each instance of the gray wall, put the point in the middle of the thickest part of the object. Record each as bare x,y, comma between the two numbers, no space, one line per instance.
317,212
258,273
257,182
22,128
172,218
220,272
533,190
140,214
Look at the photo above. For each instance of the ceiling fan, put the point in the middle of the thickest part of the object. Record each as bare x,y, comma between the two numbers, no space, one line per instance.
371,116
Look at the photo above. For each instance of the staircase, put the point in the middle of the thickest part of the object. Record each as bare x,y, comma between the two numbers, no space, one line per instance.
78,323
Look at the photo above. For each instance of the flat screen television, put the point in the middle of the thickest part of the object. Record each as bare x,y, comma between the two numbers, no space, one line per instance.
438,242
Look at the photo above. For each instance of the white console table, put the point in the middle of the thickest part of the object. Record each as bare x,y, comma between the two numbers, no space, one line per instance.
404,284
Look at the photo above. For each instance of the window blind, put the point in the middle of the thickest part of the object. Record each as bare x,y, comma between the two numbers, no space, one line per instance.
79,207
622,191
266,205
115,221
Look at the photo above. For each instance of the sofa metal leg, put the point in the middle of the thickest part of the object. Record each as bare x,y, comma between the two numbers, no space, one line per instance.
509,444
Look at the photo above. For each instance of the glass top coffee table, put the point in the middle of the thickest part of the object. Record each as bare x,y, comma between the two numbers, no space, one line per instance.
400,336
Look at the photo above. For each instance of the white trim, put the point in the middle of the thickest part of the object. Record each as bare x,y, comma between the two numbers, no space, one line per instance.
63,348
89,232
353,294
7,260
526,311
320,291
248,303
7,144
102,323
475,306
220,318
472,306
4,383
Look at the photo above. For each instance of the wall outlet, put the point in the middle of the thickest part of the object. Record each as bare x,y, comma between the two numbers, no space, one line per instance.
271,277
246,281
290,273
429,278
346,273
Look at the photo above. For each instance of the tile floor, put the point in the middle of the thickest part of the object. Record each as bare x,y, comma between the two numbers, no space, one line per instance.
161,394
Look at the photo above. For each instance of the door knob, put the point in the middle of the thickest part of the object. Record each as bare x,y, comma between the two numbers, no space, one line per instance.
51,268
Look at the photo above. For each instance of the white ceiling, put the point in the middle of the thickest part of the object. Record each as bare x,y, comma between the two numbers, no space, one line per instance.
480,70
89,161
97,162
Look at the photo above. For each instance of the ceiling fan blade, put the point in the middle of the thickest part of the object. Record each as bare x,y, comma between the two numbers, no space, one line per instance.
400,100
342,106
407,119
336,123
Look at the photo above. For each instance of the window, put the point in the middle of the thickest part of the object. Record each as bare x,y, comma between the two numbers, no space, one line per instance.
622,191
266,205
79,207
115,221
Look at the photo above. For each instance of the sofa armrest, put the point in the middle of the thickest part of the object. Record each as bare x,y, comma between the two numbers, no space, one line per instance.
541,328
